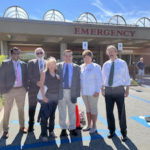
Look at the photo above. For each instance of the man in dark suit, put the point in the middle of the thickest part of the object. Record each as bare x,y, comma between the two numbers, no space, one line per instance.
70,76
13,75
35,67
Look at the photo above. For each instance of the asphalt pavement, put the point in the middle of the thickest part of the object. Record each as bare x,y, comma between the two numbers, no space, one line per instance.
138,130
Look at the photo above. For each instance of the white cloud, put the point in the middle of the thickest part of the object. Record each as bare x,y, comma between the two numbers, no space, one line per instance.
104,14
120,5
98,4
67,20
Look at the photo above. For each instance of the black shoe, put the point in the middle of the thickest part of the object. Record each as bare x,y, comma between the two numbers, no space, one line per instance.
79,128
5,135
124,138
110,135
73,132
63,132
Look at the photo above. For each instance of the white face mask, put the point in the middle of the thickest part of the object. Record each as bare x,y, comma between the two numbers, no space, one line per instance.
41,58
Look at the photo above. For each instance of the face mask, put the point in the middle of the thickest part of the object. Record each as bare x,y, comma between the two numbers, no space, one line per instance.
41,58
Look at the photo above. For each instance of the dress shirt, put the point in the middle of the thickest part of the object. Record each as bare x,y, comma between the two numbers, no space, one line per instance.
121,74
20,72
70,67
43,64
91,79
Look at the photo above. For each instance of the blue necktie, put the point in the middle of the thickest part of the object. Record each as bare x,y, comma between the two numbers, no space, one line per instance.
66,78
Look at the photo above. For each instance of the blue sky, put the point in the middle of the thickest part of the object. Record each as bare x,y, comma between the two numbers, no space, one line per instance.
131,10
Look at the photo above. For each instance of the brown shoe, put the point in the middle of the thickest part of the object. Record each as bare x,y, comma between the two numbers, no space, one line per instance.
5,135
23,130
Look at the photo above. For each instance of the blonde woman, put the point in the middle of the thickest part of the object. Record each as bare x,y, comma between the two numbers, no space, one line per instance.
49,103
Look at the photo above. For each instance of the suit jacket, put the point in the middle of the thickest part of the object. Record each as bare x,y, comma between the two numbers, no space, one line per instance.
7,75
33,75
75,85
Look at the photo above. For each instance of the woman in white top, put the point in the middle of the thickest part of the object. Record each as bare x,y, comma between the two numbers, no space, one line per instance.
91,82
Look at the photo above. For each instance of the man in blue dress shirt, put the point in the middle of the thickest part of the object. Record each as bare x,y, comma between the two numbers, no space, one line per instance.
70,76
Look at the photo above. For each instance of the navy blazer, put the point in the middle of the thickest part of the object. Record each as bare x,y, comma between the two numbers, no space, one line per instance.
75,84
33,75
7,75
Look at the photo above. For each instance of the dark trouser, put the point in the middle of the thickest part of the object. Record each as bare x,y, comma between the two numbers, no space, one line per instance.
32,107
48,112
113,95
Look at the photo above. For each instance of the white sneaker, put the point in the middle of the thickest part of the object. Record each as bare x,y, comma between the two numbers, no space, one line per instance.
86,129
93,130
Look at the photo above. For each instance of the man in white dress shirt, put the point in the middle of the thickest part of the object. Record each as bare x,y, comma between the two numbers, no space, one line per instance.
115,87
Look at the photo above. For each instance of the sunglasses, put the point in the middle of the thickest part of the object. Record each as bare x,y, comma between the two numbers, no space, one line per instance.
39,53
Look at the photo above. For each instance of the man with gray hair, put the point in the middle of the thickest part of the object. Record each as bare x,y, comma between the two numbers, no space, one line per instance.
35,68
116,81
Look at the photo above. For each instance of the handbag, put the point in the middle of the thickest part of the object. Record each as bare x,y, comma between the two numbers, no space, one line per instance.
39,95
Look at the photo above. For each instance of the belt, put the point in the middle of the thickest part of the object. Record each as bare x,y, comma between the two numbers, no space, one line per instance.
18,87
109,87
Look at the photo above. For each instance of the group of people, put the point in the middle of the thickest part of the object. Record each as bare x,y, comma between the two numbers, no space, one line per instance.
60,84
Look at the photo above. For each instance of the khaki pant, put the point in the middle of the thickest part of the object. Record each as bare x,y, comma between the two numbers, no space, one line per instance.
19,95
91,104
66,106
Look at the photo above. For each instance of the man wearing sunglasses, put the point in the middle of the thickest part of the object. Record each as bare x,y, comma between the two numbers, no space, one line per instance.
35,67
13,86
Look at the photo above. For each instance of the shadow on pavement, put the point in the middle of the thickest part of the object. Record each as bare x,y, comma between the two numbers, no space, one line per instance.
97,142
63,142
2,142
16,143
30,139
131,145
119,145
33,143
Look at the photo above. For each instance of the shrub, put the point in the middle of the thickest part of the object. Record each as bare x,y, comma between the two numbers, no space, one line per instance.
2,57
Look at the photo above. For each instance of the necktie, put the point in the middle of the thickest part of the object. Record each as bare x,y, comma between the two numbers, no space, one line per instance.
18,74
41,66
66,77
111,75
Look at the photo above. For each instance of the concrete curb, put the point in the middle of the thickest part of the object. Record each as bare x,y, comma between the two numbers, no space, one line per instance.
1,117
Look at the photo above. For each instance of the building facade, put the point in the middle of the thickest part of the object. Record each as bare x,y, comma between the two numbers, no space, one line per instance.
56,36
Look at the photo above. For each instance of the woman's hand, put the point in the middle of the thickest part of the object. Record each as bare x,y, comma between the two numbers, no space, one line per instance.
96,94
103,91
126,91
57,76
45,100
39,84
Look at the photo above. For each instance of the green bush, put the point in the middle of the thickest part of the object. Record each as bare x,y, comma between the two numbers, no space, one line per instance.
133,82
2,57
1,101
